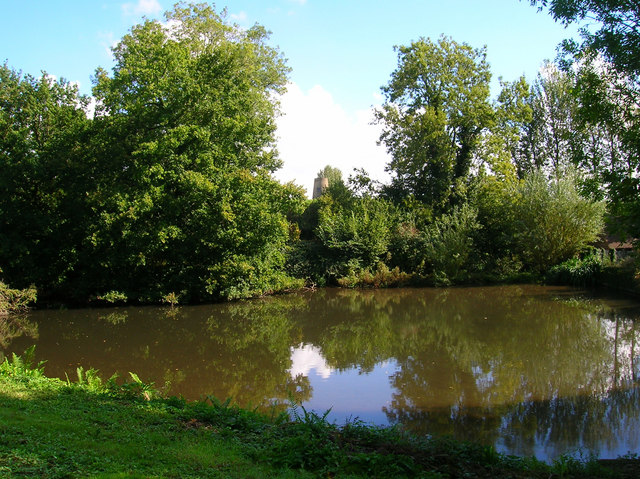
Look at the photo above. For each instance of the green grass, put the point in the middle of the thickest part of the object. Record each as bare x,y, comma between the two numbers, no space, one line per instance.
54,429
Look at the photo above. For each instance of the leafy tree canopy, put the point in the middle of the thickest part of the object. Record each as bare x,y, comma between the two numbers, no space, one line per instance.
168,189
553,221
618,36
436,107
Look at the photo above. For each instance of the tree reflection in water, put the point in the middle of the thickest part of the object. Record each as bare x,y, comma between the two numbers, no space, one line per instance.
530,369
15,326
529,372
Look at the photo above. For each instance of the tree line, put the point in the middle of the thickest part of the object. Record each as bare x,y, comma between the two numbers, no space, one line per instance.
165,191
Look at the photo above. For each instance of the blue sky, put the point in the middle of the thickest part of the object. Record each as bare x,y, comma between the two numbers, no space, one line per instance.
340,52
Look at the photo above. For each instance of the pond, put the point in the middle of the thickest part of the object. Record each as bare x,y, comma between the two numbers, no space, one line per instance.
532,370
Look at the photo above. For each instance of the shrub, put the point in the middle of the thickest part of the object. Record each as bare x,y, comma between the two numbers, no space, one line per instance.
449,244
585,271
113,297
15,300
407,246
553,221
381,277
355,237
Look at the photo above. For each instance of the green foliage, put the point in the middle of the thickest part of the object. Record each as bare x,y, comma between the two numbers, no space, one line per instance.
168,188
42,123
495,200
586,271
406,246
113,297
436,109
623,275
618,37
306,260
606,104
381,277
16,300
449,244
553,221
355,238
89,379
135,388
334,175
167,192
605,93
23,366
554,139
501,148
171,298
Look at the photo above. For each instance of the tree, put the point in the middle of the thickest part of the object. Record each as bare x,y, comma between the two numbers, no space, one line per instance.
171,180
607,105
436,108
618,37
553,139
609,92
502,147
354,238
41,123
188,203
553,222
449,244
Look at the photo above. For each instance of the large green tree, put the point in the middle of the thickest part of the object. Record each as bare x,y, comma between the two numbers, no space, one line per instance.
607,105
436,109
172,178
185,132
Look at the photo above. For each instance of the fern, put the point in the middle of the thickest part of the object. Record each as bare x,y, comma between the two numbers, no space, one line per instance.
23,365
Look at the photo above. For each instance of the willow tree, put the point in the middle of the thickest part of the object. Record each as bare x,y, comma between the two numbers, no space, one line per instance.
435,111
553,221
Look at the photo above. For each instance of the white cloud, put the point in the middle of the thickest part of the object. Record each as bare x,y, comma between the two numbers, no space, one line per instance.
143,7
315,131
299,2
239,17
107,41
304,358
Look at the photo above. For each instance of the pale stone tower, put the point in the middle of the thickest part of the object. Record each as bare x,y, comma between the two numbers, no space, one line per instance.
319,185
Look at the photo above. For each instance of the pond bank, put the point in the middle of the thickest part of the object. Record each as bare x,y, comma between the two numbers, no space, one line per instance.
54,428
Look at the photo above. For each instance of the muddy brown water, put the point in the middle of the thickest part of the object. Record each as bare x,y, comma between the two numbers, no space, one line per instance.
531,370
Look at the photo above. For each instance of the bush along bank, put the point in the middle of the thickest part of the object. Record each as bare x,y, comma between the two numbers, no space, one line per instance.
90,427
15,300
599,270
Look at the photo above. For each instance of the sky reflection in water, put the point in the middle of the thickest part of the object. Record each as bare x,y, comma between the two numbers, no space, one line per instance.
530,369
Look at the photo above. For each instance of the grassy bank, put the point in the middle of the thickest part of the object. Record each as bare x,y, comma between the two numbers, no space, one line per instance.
89,428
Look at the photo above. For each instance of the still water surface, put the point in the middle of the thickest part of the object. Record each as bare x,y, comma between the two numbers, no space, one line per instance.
532,370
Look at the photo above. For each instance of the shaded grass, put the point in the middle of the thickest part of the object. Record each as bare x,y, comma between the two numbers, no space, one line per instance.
51,428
